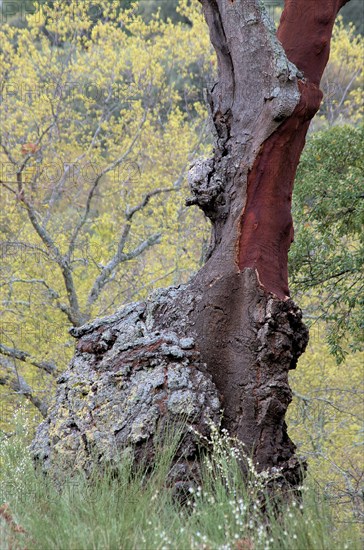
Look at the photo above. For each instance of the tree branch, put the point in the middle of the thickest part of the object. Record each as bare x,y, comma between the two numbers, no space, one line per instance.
130,212
94,187
307,399
74,313
25,357
118,258
346,91
12,379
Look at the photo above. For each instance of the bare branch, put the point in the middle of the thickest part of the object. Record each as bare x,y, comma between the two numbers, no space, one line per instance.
106,273
118,258
307,399
94,187
74,312
8,154
346,91
52,293
130,212
12,379
11,245
57,190
118,297
24,356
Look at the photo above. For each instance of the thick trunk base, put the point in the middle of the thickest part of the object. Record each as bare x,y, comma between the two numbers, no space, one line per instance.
166,362
250,340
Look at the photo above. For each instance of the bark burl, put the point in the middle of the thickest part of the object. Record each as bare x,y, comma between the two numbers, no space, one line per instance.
236,312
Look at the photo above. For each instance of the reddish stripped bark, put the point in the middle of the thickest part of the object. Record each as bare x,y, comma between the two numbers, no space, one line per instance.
305,32
266,223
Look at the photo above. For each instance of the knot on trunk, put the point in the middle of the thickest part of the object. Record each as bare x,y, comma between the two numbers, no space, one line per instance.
207,188
283,337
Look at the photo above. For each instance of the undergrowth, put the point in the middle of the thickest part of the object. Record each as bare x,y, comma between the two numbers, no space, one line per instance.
135,511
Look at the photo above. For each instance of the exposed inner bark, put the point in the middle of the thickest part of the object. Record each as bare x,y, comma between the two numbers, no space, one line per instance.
266,224
305,32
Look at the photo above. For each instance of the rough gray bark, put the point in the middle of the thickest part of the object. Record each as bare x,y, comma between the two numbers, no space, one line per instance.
128,381
139,367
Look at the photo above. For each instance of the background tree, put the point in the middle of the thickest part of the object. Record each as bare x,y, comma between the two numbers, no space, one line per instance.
326,264
86,191
342,82
327,259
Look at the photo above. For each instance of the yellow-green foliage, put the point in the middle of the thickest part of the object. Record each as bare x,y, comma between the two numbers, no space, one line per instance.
325,421
115,108
343,80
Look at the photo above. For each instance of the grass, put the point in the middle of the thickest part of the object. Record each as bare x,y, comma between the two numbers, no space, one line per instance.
137,512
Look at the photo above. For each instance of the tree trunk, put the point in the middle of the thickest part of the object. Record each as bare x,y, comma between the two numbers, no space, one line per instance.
236,312
249,332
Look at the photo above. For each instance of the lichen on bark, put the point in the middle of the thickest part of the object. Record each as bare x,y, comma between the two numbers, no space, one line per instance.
128,381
